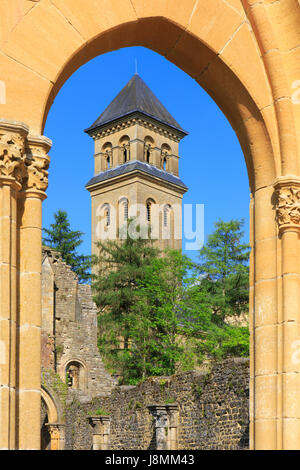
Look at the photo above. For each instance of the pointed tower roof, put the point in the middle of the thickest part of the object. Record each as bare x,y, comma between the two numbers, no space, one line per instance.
136,97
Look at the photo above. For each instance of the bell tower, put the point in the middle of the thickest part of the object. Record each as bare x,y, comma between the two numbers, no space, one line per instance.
136,168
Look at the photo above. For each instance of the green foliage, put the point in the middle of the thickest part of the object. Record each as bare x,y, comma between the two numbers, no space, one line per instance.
224,271
119,270
101,412
66,241
170,313
217,291
170,400
98,412
154,316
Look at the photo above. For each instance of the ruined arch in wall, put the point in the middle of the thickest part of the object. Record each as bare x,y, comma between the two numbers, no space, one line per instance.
52,427
245,54
75,372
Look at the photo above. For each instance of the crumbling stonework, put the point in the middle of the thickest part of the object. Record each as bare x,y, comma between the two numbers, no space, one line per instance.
69,329
83,408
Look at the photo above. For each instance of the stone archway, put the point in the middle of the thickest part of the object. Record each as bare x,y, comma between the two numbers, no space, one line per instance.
52,427
245,54
75,372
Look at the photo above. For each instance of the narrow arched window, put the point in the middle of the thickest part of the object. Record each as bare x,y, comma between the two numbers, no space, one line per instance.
124,145
166,215
148,211
165,163
125,154
108,162
148,146
107,214
125,207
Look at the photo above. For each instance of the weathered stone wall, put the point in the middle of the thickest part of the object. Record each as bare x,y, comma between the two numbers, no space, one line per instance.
213,410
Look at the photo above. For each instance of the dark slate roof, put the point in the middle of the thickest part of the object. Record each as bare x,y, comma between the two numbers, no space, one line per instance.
136,165
136,96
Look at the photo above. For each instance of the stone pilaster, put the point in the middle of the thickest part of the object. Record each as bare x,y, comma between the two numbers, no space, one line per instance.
101,432
12,171
166,423
57,435
287,204
29,320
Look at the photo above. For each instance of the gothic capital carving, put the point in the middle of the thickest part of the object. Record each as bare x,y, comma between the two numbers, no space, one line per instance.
37,162
287,203
12,145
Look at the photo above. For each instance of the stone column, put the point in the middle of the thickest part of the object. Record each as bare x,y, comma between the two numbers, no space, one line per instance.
12,167
174,164
101,432
288,219
137,149
264,322
57,435
29,279
156,157
166,423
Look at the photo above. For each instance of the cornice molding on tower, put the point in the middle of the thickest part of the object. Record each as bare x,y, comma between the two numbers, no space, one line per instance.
146,122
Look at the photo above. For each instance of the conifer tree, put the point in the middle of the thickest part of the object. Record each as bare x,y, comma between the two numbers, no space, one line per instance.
66,241
118,270
224,271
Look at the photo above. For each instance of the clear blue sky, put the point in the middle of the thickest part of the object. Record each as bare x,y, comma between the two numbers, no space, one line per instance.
211,164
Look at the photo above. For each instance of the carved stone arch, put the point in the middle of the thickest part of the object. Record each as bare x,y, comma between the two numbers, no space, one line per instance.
166,214
123,209
148,146
124,143
52,428
107,153
149,203
246,60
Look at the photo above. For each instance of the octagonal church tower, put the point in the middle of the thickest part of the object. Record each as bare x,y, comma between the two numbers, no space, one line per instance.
136,173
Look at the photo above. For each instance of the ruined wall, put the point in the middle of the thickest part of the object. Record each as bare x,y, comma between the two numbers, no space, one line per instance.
213,410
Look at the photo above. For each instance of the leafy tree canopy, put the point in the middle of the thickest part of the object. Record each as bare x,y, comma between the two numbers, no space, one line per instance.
168,312
223,270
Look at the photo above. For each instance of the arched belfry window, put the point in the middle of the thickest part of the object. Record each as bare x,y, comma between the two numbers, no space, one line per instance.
124,144
107,155
108,161
165,163
148,145
148,155
165,155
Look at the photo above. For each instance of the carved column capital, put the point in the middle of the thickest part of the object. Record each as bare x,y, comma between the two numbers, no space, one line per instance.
37,163
57,435
287,203
12,152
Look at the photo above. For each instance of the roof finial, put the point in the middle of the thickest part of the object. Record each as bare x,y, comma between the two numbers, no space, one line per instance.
136,67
